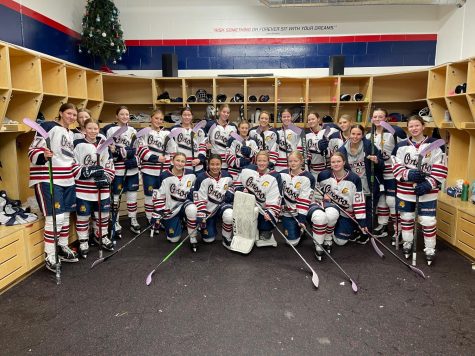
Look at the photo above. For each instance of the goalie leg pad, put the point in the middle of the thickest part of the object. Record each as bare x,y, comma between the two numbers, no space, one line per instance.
244,220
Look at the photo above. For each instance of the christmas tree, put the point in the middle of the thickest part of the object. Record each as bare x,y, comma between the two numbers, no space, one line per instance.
101,31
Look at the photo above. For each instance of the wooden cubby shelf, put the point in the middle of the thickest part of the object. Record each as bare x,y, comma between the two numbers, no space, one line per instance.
31,83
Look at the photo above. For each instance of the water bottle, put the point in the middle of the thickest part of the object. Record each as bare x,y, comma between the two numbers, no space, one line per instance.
465,189
359,115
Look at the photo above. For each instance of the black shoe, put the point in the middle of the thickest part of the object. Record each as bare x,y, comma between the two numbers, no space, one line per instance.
381,231
193,244
362,239
66,254
327,247
319,254
407,249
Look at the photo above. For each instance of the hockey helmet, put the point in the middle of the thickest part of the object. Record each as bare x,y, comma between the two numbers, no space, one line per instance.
164,96
237,98
396,117
460,89
425,114
210,112
252,98
209,98
191,99
327,119
221,98
345,97
358,97
201,96
264,98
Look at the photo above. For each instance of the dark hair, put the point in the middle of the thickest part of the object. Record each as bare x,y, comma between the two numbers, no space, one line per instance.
214,156
122,107
242,122
286,110
383,110
222,106
357,126
64,107
314,113
185,108
416,118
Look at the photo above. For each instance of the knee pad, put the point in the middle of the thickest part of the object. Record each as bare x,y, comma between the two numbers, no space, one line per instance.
425,220
332,215
190,211
228,216
131,197
319,217
340,242
407,215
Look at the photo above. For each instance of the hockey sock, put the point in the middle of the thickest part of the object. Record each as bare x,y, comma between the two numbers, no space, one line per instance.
429,233
190,212
64,235
101,224
227,224
148,206
382,211
407,227
132,204
82,227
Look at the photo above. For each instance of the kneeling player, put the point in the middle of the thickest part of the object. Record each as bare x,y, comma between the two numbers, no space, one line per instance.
172,201
211,196
265,185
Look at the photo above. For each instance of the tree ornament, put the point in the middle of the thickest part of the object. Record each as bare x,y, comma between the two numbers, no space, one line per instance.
98,19
114,61
112,44
120,58
104,34
90,34
80,50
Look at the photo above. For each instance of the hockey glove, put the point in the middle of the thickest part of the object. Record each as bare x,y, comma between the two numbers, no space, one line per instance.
102,182
422,188
243,162
130,163
246,151
416,176
130,152
92,172
323,144
153,159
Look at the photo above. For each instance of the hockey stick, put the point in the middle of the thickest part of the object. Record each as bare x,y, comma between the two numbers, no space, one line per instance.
436,144
35,126
105,258
353,284
325,134
375,239
315,279
373,212
148,280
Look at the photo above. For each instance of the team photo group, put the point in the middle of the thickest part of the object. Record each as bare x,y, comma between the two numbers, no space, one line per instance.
334,182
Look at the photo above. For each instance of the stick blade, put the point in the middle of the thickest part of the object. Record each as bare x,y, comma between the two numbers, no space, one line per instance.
35,126
98,261
354,286
148,280
143,132
199,125
388,127
417,270
236,136
315,279
376,248
432,146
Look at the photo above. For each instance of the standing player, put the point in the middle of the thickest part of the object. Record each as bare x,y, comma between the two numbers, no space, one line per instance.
386,142
288,141
172,201
155,151
218,136
191,143
424,183
266,186
265,137
316,147
94,176
343,187
211,195
80,131
126,168
65,169
297,189
367,163
240,153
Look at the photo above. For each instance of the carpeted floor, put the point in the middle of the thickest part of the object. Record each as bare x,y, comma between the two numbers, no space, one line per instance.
215,302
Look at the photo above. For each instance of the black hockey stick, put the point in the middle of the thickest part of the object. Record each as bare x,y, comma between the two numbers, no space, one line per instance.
315,279
35,126
194,130
375,239
353,284
148,280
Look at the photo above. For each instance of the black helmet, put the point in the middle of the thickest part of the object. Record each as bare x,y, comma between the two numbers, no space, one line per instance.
345,97
221,98
252,98
201,96
163,95
209,98
358,97
264,98
237,98
191,99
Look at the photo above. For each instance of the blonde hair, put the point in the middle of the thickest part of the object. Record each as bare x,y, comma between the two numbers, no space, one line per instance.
263,153
297,154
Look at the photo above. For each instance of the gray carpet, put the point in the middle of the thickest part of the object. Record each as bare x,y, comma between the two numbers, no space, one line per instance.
216,302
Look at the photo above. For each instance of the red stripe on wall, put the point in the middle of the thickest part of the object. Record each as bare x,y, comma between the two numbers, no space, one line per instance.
39,17
283,40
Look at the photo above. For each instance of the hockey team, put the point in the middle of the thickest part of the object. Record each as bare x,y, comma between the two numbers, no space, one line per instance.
345,183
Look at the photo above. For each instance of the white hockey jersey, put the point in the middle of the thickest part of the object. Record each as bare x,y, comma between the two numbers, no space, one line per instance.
218,137
265,187
288,141
158,143
85,154
234,155
124,140
64,165
172,192
198,150
386,142
209,192
266,141
347,192
297,193
405,156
